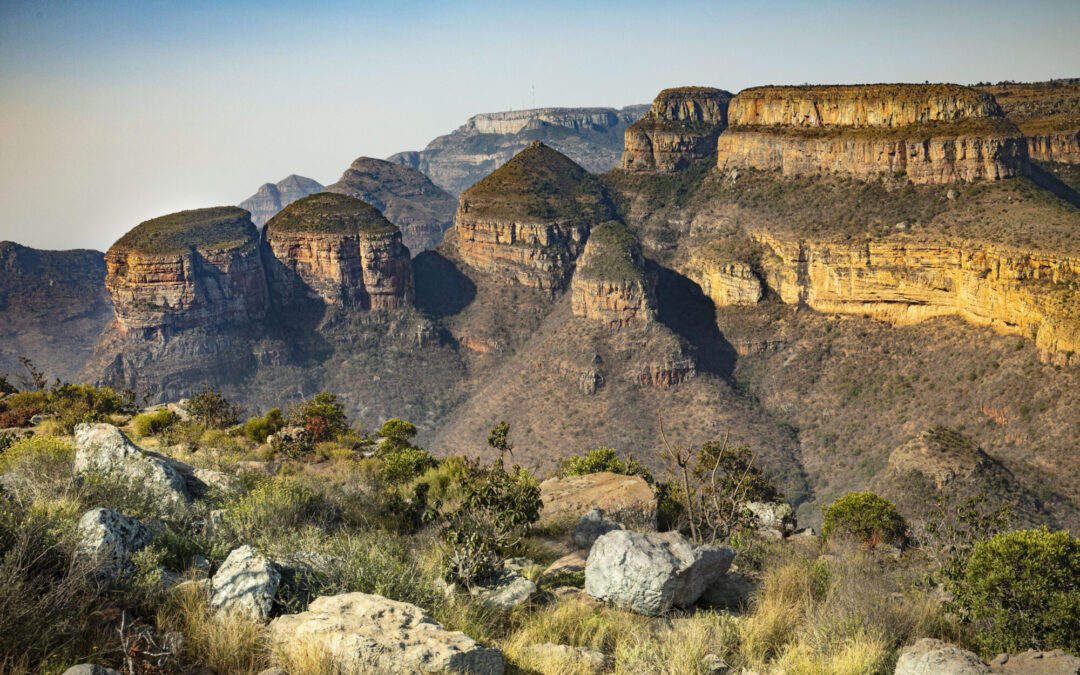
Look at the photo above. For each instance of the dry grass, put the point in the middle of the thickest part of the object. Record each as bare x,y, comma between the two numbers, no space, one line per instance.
231,644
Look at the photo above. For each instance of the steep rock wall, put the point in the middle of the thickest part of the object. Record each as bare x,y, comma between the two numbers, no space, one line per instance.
681,126
1061,146
538,255
611,284
726,283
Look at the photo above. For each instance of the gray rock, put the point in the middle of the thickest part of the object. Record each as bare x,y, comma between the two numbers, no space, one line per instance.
650,573
1031,662
731,591
90,669
714,665
369,633
246,583
517,564
591,526
104,449
38,419
569,659
508,590
934,657
108,538
773,518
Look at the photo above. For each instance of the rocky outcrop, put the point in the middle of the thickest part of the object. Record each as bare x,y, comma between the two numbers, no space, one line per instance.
625,499
941,455
591,137
369,633
104,450
1048,114
408,199
934,657
903,281
928,133
650,573
610,283
726,282
340,250
245,584
773,520
272,197
192,269
681,126
527,222
108,538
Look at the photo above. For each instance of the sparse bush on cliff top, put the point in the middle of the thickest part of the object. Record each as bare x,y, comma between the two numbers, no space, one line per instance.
867,517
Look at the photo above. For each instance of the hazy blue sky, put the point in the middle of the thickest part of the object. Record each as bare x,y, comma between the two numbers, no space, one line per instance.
115,112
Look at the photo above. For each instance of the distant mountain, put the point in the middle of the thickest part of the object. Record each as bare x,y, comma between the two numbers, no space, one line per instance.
406,197
592,137
53,305
271,197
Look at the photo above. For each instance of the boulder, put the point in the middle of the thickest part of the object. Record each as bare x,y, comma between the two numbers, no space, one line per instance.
506,591
246,583
591,526
731,591
568,564
625,499
90,669
517,564
774,519
1031,662
108,538
369,633
650,573
934,657
104,449
567,659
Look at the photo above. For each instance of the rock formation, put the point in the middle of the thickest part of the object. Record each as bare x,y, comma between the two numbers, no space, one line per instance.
929,133
610,283
528,221
408,199
271,197
1048,114
53,305
339,249
592,137
626,499
681,126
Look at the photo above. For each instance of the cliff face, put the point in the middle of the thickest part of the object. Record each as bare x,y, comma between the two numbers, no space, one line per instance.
591,137
189,270
527,222
341,250
931,133
271,197
726,283
682,125
610,284
405,196
1048,114
904,282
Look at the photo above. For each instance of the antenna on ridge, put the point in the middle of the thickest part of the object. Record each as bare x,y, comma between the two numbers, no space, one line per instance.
534,95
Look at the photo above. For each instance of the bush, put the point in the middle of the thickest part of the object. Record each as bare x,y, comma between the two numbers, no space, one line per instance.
259,428
18,418
77,403
274,504
33,449
210,407
154,423
867,517
1021,590
322,416
604,459
25,399
403,464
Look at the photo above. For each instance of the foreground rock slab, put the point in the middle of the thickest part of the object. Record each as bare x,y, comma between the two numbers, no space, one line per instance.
508,590
369,633
625,499
108,538
650,573
934,657
105,450
246,583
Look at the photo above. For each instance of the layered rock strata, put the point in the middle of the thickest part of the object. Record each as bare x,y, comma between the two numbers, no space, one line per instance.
610,283
928,133
270,198
191,269
1048,114
422,210
340,250
681,126
727,283
528,221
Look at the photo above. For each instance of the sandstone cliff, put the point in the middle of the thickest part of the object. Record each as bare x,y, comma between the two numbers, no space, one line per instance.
928,133
527,222
592,137
271,197
405,196
610,283
682,125
341,250
1048,114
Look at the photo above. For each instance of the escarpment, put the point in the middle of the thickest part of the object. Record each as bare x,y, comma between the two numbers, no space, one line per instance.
191,269
527,222
681,126
929,133
406,197
1047,113
610,283
340,250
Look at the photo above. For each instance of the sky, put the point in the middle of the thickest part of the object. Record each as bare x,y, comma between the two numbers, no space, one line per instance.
112,113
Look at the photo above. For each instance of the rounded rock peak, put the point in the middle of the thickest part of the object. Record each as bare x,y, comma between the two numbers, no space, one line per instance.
330,213
218,227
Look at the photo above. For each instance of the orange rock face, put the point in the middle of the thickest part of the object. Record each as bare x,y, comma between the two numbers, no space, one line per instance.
1061,146
681,126
534,254
614,303
931,133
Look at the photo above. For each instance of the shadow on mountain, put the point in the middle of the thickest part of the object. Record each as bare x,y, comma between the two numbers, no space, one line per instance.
692,316
441,288
1054,185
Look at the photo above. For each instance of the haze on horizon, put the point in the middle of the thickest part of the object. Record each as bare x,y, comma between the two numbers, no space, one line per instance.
116,112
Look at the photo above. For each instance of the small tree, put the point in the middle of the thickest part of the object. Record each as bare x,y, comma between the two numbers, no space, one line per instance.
953,528
402,461
210,407
395,434
322,416
867,517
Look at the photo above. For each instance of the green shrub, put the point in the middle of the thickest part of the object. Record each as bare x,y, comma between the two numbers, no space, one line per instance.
259,428
154,423
273,504
602,459
401,465
35,449
395,434
867,517
25,399
1021,590
322,416
77,403
210,407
